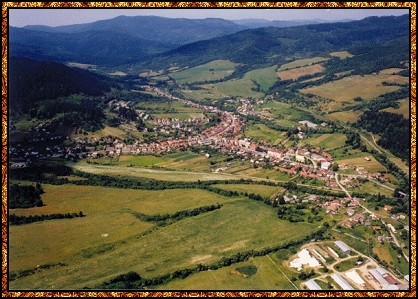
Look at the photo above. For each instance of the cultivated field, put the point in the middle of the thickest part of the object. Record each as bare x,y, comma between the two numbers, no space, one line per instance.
327,141
284,114
302,62
158,174
214,70
404,107
296,73
267,277
262,173
175,161
373,188
341,54
265,77
371,166
263,133
240,225
345,116
367,87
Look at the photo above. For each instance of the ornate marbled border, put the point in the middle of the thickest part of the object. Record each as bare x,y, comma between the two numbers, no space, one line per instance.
4,121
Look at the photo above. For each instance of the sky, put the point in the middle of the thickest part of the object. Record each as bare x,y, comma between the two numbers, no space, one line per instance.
20,17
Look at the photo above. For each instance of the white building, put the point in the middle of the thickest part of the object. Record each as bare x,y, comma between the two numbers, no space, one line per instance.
343,247
342,282
325,165
312,285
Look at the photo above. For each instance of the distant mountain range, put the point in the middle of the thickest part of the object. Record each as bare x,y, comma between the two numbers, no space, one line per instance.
124,40
268,46
258,23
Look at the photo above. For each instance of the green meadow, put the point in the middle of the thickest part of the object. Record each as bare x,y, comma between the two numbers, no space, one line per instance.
110,241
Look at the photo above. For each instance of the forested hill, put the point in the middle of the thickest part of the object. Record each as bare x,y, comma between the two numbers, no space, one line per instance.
31,81
268,46
175,31
92,47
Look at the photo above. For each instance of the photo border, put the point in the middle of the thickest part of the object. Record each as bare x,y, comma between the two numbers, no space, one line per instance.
231,5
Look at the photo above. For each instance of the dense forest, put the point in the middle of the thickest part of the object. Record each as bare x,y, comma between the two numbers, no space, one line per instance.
25,196
31,81
393,130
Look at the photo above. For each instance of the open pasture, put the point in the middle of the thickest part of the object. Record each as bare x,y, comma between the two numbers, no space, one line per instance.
327,141
263,133
341,54
240,225
214,70
367,87
302,62
371,166
267,277
404,107
158,174
296,73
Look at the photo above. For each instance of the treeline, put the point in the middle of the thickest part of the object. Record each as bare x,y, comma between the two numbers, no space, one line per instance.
394,169
393,129
133,280
26,272
19,220
165,219
25,196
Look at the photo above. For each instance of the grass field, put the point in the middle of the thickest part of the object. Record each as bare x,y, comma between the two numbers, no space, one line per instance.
327,141
368,87
265,174
302,62
294,74
158,174
266,191
372,188
386,253
313,79
243,87
262,132
234,87
267,277
175,161
266,77
403,109
345,116
341,54
347,264
284,114
371,166
240,225
109,131
214,70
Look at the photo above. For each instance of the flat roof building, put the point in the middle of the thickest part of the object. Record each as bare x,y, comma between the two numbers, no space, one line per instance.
343,247
312,285
342,282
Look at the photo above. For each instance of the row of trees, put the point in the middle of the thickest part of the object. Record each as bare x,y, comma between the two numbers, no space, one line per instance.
19,220
165,219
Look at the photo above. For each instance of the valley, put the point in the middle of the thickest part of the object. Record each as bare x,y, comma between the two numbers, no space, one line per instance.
213,164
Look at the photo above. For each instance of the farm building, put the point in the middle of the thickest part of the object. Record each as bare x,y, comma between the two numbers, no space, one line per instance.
325,165
355,277
379,278
343,247
308,124
312,285
342,282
